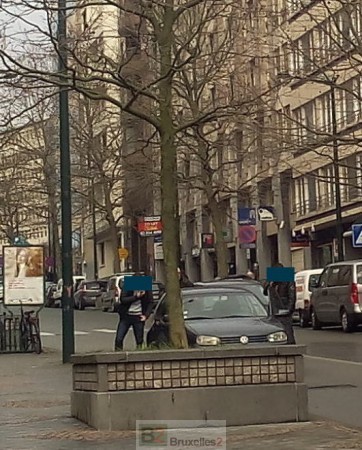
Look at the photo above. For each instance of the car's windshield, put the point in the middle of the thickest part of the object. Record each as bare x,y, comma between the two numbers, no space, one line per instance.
216,306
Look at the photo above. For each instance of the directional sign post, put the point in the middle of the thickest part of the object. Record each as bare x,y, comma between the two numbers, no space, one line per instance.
357,236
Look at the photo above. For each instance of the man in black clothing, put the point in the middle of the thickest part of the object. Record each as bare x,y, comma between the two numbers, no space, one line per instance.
133,309
282,299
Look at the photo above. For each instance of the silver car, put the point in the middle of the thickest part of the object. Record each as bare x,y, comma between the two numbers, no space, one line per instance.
337,299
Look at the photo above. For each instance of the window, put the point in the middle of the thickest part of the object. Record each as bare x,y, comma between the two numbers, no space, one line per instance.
102,258
323,278
312,192
345,275
333,277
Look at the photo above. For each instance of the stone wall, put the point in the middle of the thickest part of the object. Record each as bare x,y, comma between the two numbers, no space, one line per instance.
125,376
250,378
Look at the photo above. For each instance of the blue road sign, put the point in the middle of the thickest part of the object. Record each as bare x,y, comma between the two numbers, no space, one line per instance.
138,283
357,236
280,274
246,216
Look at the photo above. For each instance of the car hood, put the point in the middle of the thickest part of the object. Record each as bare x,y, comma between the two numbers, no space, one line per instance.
231,327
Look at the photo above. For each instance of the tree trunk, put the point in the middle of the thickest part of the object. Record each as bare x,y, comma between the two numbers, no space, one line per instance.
220,244
169,186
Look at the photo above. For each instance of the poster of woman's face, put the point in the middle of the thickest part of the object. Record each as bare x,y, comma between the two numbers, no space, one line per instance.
24,262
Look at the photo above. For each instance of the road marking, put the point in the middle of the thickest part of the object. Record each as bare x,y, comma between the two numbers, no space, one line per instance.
45,334
104,330
340,361
81,333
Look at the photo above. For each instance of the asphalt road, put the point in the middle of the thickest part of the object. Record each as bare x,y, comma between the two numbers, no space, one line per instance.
333,365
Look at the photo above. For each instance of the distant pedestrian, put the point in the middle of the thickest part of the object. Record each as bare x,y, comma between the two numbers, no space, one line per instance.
134,309
184,279
282,299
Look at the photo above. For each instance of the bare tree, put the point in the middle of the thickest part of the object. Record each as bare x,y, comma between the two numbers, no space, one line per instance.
163,35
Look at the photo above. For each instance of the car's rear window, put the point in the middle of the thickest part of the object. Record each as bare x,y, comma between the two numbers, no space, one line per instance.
94,285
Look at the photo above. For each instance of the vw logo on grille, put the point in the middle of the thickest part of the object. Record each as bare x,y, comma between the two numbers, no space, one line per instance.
244,339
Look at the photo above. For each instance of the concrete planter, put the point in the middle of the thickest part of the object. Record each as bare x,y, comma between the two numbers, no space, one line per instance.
243,386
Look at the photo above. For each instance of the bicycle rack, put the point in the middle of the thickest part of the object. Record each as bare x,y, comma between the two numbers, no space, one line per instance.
10,332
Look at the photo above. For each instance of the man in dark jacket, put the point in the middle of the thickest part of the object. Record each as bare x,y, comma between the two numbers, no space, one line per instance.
282,297
134,308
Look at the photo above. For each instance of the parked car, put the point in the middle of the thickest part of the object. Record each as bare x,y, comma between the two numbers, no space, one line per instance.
305,282
218,316
49,295
59,291
243,283
158,289
338,297
88,293
113,290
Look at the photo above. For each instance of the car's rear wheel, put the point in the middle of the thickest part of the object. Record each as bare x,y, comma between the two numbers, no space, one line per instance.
316,324
303,318
347,322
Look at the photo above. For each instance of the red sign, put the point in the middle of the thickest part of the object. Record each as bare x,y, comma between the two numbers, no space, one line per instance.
207,240
150,226
247,234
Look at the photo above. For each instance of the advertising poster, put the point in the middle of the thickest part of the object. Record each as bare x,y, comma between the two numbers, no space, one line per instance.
24,272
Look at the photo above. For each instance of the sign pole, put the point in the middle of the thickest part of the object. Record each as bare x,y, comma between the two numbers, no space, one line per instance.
65,180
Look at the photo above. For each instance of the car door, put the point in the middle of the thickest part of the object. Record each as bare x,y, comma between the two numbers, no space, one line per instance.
343,291
330,298
157,324
319,296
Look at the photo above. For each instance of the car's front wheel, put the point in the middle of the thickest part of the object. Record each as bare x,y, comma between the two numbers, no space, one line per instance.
303,318
347,322
316,324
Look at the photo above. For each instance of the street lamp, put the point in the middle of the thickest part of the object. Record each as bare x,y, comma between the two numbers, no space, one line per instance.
65,193
339,222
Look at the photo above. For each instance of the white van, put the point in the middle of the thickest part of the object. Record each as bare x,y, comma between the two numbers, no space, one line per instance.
305,282
59,290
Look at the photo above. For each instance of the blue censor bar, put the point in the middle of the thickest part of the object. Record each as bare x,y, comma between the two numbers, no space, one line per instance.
280,274
138,283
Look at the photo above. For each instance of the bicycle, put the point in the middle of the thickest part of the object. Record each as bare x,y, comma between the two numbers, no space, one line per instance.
30,332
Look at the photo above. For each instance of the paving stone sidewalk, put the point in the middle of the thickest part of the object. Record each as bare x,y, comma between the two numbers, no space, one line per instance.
34,414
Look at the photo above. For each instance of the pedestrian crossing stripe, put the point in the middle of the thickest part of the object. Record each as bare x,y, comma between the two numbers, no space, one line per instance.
104,330
80,333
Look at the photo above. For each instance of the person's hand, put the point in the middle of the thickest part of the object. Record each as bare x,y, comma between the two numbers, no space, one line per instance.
143,318
140,294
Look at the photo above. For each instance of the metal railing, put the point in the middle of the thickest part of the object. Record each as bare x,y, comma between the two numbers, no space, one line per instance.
11,336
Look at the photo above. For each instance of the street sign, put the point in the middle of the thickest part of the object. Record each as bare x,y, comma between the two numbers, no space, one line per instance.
300,240
357,236
207,240
266,213
150,226
247,234
246,216
158,251
123,253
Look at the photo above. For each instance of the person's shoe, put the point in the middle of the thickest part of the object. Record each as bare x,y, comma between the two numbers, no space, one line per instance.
118,349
